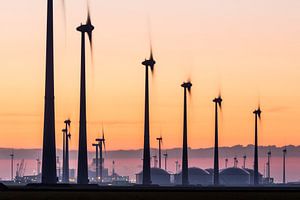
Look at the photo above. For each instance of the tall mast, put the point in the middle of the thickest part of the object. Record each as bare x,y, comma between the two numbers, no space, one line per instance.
49,151
82,177
185,173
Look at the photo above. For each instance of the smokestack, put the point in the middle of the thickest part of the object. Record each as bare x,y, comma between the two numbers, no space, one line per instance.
49,149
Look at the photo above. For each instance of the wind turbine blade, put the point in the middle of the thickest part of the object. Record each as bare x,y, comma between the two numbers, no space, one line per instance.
64,12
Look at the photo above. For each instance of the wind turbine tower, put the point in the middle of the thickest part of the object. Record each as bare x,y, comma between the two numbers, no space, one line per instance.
38,166
226,163
257,114
166,159
269,166
12,164
101,142
159,150
146,154
66,137
284,151
218,103
82,177
244,161
185,174
49,150
96,145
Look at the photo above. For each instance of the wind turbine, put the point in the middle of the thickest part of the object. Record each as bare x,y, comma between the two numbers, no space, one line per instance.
244,161
185,174
159,139
82,177
218,103
38,164
146,154
12,164
49,149
166,158
66,137
96,145
176,166
235,162
257,114
284,151
101,142
269,166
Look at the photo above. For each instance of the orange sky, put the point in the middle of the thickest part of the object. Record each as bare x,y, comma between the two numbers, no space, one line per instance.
249,49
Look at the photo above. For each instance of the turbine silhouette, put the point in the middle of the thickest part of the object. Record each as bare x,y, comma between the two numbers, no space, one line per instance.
82,177
159,139
96,145
101,142
166,159
284,151
218,103
185,176
146,154
66,137
49,147
257,114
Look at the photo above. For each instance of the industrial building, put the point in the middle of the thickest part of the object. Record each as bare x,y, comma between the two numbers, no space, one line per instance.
158,176
234,176
251,172
197,176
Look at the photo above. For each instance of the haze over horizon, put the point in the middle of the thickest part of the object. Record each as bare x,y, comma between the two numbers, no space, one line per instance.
249,49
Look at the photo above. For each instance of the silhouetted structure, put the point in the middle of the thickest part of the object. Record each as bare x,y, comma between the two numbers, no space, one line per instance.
218,103
269,167
49,151
284,151
185,173
235,177
38,166
244,161
196,176
82,177
166,160
96,145
146,154
101,142
257,114
158,176
251,172
12,164
159,151
66,137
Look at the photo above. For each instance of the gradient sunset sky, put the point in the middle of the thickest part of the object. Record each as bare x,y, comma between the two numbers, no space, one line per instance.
248,49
